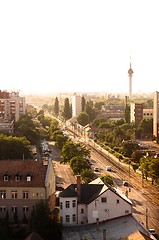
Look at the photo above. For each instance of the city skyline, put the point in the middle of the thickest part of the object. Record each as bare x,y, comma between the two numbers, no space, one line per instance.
69,46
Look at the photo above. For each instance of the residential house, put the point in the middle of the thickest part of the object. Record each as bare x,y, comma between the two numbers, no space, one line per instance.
22,184
90,203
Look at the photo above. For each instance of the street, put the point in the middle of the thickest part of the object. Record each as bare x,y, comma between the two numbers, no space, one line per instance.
144,210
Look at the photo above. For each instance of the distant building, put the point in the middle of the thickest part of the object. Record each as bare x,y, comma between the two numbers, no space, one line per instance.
156,115
112,112
12,106
6,126
22,184
76,105
90,203
136,112
148,113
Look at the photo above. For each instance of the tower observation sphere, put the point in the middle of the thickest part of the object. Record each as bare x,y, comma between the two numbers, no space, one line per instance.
130,72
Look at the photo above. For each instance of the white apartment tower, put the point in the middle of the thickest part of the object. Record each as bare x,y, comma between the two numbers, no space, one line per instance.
12,106
76,105
156,115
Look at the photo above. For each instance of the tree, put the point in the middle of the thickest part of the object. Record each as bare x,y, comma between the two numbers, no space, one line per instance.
137,155
144,166
56,107
147,127
91,111
83,118
43,224
78,164
71,150
87,175
128,148
67,113
106,178
127,114
25,127
99,105
14,147
61,140
83,103
154,168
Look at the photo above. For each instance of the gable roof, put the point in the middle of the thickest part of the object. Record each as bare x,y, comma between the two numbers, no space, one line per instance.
88,192
24,168
113,189
91,191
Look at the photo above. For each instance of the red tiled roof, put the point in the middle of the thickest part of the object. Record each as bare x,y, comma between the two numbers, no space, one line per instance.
33,168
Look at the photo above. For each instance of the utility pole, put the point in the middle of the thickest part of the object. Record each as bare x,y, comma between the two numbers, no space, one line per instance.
146,217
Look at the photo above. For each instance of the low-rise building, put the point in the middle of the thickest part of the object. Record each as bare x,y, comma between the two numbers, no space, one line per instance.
22,184
90,203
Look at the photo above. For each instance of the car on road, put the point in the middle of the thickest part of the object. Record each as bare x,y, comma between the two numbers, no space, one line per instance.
108,168
153,233
125,183
96,169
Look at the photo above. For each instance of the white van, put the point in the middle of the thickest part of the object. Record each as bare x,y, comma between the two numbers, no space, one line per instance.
108,168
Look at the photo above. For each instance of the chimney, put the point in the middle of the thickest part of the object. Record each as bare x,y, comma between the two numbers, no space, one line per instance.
79,187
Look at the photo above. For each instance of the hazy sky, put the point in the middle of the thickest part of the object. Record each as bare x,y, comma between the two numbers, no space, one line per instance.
85,45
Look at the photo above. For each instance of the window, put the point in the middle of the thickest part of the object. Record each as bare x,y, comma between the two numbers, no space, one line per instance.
28,178
14,209
6,178
61,219
61,205
2,193
17,178
41,195
74,218
67,204
104,200
25,194
2,208
82,210
67,218
25,209
117,201
74,203
14,194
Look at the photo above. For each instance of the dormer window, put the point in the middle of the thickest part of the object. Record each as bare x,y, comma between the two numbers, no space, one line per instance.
17,177
6,178
29,178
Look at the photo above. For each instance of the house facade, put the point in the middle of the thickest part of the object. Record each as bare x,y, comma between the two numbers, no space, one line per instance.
89,203
22,184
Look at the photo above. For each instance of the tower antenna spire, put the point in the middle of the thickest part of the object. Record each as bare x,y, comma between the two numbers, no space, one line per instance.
130,73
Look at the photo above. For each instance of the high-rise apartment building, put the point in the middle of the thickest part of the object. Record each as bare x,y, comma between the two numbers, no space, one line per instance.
76,105
12,106
156,115
136,112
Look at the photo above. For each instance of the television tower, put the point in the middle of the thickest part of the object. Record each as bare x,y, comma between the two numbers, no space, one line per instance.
130,72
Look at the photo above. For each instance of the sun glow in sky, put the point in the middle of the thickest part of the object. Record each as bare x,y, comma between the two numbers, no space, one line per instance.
79,46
